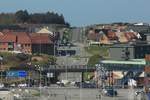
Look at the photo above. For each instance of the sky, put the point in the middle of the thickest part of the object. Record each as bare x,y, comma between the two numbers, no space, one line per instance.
86,12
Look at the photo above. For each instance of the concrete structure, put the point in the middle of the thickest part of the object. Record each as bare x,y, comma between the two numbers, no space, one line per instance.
129,51
132,68
71,76
6,95
139,28
45,30
123,65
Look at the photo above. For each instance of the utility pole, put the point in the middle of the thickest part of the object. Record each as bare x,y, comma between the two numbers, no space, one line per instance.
1,59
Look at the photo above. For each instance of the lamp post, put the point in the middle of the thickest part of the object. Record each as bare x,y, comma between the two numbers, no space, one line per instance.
101,74
39,69
1,59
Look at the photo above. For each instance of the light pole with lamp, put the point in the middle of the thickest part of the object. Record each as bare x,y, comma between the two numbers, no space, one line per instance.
1,59
101,74
39,69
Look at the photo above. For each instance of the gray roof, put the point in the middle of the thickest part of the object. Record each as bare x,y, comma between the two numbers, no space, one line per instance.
128,62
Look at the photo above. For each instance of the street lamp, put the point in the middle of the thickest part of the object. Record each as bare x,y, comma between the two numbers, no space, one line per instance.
101,74
1,59
39,68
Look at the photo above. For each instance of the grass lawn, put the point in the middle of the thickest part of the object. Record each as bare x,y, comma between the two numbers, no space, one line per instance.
97,50
97,53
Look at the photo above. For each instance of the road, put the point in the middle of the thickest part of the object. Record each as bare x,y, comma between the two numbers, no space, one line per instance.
73,93
84,94
77,35
81,57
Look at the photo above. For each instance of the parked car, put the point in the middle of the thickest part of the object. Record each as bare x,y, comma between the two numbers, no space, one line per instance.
1,85
85,85
60,84
109,91
139,92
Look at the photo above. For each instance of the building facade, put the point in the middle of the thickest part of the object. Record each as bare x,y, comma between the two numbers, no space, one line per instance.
129,51
42,43
22,42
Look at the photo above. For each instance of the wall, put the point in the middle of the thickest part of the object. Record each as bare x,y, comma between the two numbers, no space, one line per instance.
6,95
116,53
141,51
71,76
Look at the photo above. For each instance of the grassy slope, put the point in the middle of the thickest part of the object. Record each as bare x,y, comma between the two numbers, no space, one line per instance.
97,53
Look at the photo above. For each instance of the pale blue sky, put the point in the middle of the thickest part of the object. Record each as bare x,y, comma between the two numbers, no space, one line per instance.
86,12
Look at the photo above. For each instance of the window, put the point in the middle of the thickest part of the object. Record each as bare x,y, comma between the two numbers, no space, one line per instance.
141,48
26,45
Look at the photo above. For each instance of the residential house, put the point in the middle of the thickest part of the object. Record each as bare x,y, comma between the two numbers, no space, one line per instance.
42,43
23,41
7,42
15,41
135,50
45,30
112,35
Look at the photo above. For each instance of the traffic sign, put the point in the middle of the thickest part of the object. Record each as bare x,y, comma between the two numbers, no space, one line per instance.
16,73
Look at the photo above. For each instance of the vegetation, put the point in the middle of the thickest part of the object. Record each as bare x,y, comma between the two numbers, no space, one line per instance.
22,16
17,61
98,52
88,76
43,59
93,60
8,59
66,36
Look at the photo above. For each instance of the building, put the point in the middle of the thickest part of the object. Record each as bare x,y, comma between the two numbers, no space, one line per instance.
23,41
123,65
45,30
147,71
139,28
118,72
15,41
7,42
129,51
42,43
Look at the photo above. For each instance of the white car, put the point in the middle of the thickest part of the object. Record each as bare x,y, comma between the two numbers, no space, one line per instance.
1,85
22,85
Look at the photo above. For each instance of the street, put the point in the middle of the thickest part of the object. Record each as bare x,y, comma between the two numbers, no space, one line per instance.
67,93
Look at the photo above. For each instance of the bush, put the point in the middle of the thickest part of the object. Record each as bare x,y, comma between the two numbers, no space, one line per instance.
94,60
22,56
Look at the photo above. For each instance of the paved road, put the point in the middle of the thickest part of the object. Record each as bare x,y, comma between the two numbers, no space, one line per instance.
77,35
80,59
58,93
84,94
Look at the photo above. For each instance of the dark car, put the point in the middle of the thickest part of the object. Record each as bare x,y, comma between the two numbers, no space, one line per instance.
109,91
85,85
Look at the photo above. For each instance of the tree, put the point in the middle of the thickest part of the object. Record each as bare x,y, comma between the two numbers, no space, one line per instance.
94,60
22,16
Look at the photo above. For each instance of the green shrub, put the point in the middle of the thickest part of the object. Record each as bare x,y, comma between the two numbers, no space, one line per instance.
22,56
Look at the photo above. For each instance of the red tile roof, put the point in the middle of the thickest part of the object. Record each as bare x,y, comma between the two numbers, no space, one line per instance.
112,35
130,35
37,38
8,37
23,38
1,34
